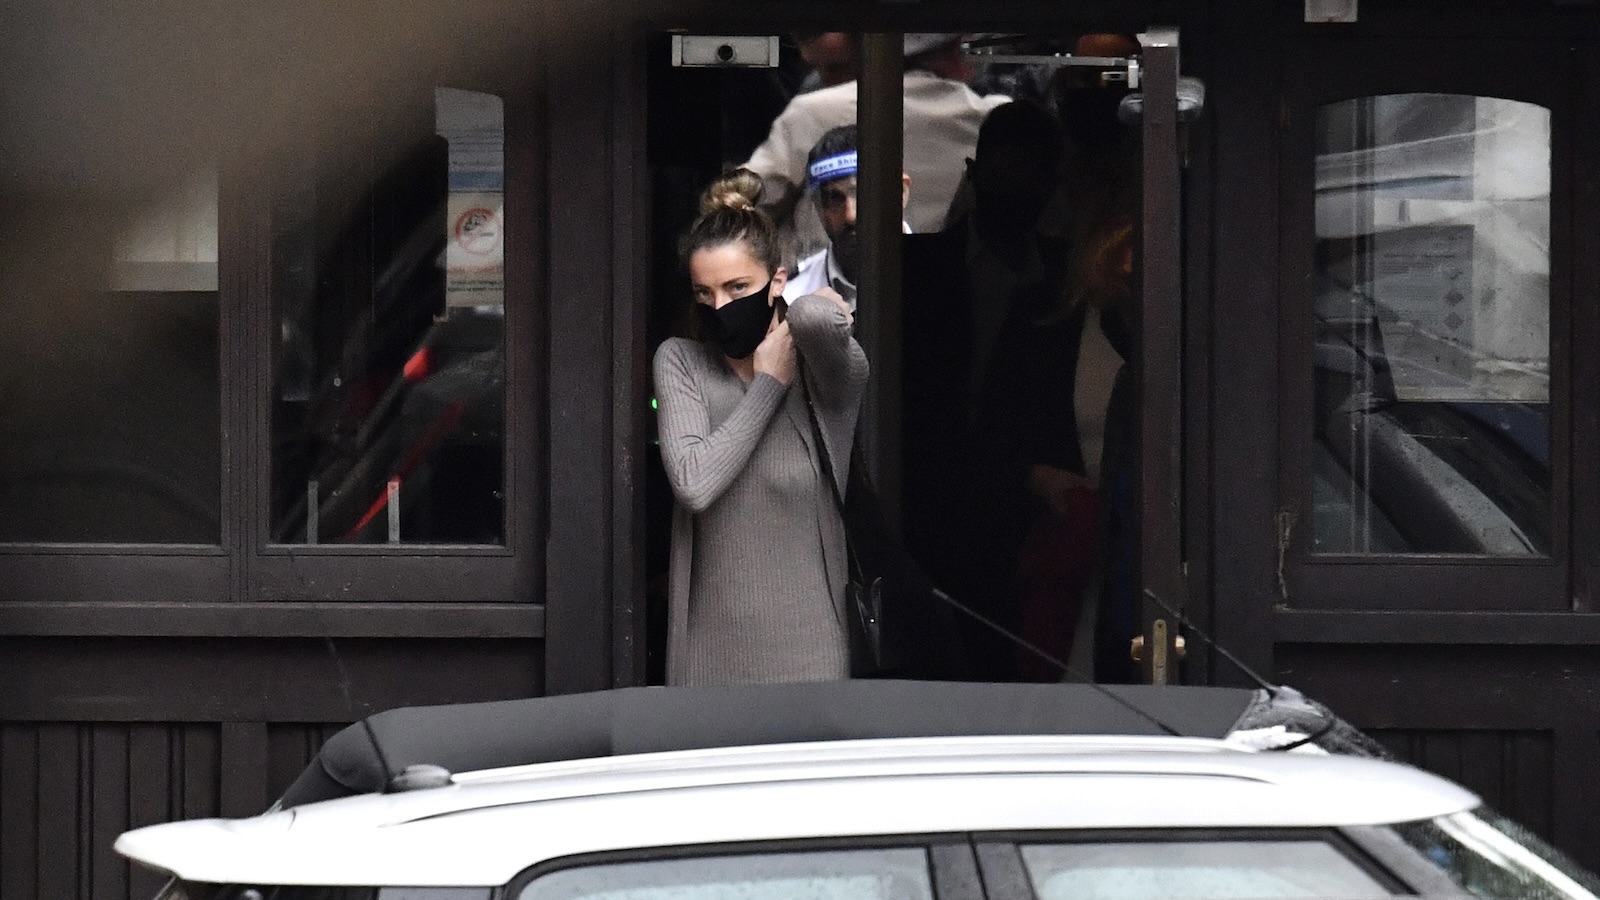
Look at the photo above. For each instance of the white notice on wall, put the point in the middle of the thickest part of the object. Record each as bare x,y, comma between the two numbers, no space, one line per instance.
474,125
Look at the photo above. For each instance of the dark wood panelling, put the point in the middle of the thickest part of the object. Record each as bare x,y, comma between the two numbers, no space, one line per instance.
151,779
110,777
406,575
59,577
1440,583
244,282
411,620
107,786
1434,627
255,680
19,812
1243,106
1577,794
1513,771
244,768
196,771
60,789
1515,723
1585,210
1199,58
527,324
1445,687
580,250
630,368
290,745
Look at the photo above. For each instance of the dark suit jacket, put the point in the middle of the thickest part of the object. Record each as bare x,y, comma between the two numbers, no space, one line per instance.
971,427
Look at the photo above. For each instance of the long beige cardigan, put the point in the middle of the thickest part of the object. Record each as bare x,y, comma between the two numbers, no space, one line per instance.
710,427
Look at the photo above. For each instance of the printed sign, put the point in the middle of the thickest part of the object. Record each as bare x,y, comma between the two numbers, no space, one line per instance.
474,125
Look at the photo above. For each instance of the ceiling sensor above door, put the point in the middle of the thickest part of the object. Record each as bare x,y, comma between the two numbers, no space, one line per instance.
1321,11
722,50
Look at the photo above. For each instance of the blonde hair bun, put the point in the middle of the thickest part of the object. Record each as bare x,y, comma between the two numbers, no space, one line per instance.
729,214
738,190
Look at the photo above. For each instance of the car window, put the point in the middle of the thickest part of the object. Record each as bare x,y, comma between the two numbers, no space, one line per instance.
1196,870
899,873
1490,856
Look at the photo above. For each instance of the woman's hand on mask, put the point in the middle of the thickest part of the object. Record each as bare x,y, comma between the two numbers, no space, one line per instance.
775,354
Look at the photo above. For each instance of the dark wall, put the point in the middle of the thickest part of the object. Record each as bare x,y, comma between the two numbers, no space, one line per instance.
102,734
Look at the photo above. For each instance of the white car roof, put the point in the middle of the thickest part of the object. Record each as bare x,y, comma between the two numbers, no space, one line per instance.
485,827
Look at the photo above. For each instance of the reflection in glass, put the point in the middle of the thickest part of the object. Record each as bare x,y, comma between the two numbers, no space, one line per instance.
388,295
1432,314
1196,870
110,397
1488,855
886,874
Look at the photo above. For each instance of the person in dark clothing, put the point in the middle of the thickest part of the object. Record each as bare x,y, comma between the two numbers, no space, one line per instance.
965,499
1061,408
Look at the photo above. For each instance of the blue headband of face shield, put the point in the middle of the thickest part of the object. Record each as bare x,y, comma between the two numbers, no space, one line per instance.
828,168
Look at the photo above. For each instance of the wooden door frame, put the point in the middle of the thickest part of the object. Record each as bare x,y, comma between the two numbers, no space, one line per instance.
598,373
1245,110
1493,684
596,569
1243,113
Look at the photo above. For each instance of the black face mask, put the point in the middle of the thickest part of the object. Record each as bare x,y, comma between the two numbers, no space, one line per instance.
739,326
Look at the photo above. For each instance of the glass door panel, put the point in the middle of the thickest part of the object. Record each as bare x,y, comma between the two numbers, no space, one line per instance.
1431,308
389,311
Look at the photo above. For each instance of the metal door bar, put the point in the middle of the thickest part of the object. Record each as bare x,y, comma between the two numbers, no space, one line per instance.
1160,357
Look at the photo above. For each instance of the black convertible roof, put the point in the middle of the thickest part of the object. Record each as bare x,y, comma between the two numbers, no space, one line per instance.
365,757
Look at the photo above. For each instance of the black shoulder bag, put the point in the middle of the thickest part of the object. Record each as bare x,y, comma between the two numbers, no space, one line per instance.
898,627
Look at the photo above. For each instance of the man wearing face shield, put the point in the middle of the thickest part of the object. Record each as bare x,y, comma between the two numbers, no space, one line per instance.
831,170
940,114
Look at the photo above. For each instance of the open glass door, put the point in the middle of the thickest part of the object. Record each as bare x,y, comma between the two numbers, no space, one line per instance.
1160,281
999,297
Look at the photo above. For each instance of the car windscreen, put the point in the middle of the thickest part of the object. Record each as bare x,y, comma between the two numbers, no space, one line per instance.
887,873
1488,855
1197,870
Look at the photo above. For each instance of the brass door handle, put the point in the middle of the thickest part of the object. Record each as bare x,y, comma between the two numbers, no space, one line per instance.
1136,647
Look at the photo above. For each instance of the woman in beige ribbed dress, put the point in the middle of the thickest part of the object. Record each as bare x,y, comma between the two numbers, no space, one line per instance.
757,582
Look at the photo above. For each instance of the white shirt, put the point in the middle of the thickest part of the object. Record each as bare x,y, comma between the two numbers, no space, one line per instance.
821,269
941,119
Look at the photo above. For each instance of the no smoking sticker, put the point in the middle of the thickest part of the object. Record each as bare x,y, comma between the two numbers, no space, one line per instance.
475,255
477,231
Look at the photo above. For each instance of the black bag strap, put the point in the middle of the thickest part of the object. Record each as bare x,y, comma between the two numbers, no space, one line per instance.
924,635
825,459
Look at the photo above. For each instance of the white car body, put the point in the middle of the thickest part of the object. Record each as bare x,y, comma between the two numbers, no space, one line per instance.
497,823
860,791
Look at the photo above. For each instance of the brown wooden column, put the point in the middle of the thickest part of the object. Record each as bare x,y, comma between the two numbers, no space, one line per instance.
878,315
